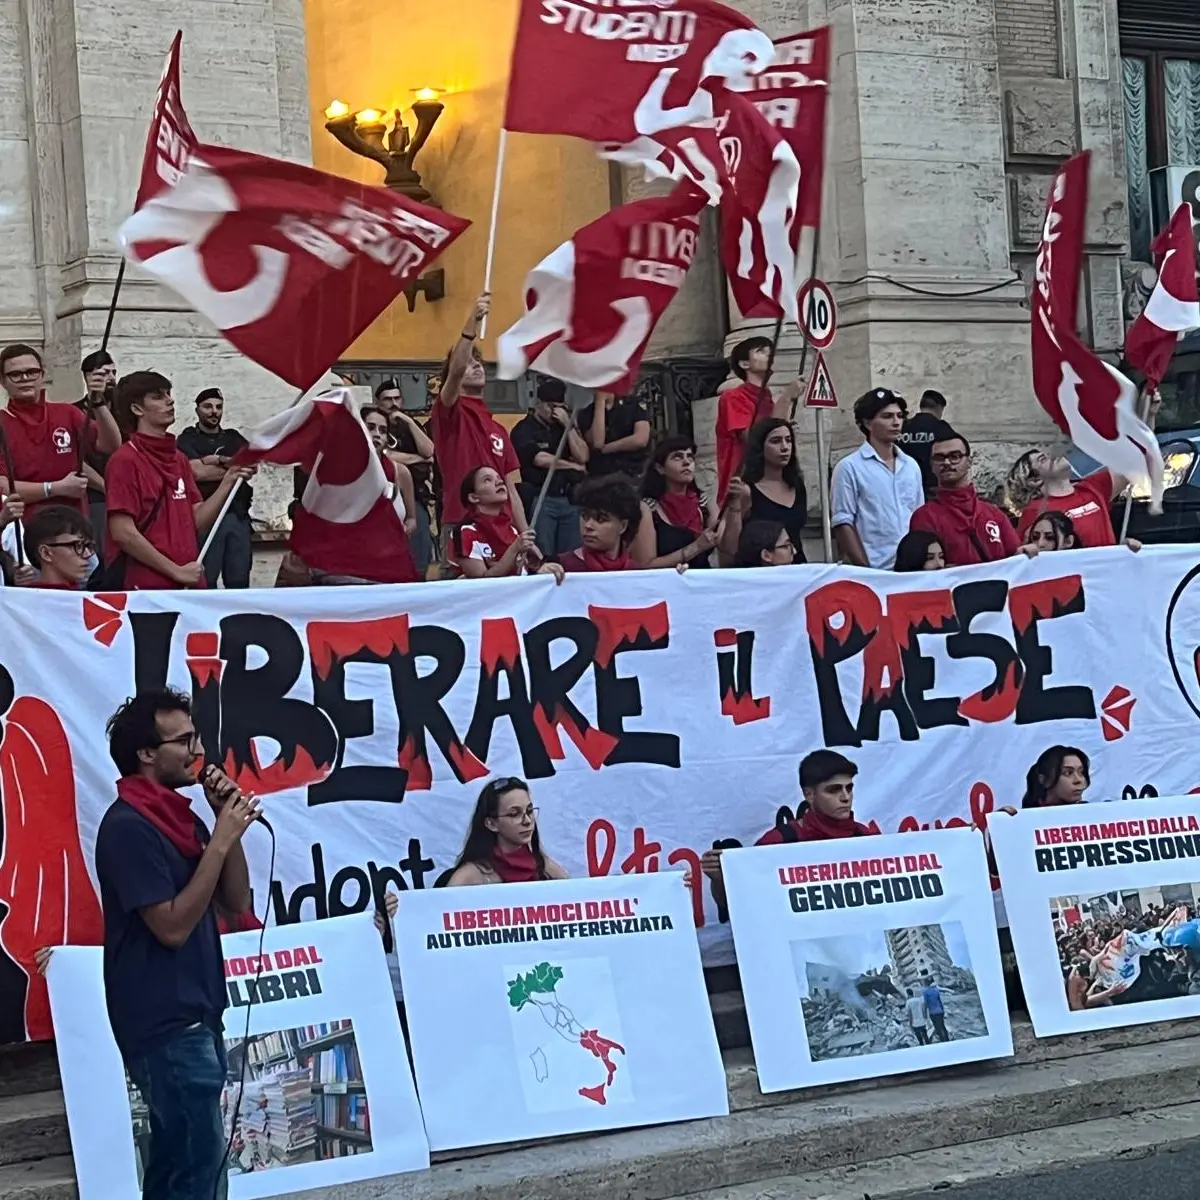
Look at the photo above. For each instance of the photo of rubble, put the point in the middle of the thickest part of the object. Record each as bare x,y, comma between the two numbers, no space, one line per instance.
888,989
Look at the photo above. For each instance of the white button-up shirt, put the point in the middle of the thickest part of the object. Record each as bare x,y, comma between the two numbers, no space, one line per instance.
877,500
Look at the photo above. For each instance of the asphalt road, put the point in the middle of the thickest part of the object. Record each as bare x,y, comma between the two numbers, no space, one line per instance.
1169,1175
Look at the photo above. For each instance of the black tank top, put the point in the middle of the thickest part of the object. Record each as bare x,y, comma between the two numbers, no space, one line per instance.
763,508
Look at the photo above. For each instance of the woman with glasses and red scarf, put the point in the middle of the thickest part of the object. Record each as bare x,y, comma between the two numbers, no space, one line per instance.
502,844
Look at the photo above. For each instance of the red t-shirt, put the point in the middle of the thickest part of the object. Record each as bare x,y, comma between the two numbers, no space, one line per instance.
486,544
45,443
737,410
1088,507
133,483
467,436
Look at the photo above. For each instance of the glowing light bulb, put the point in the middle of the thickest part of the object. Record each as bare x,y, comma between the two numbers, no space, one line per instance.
368,116
336,109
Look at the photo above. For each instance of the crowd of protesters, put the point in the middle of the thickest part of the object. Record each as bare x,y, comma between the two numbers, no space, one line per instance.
102,494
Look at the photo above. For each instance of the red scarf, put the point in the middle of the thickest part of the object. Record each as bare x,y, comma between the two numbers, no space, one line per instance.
683,510
160,451
32,416
584,559
515,866
165,809
813,827
496,529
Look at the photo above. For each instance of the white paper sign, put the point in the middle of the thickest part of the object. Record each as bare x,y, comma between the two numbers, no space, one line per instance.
862,957
328,1097
1102,904
538,1009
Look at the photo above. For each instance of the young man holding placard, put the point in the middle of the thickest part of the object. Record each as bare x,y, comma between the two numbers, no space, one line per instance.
827,811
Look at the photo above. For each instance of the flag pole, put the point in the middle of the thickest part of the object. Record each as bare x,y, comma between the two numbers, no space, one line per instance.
1143,413
112,305
491,242
212,532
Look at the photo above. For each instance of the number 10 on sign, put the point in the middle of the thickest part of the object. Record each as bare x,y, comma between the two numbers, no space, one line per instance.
818,314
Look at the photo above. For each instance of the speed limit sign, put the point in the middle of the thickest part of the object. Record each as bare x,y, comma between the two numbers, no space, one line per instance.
818,313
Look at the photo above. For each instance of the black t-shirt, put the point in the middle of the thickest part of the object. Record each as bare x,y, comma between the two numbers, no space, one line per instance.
422,472
152,991
530,437
93,458
917,441
619,422
198,443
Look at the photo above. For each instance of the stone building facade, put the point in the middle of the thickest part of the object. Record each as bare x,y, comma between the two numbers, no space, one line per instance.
947,119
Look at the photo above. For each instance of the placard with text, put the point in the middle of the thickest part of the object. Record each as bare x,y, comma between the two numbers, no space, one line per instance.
318,1088
867,956
537,1009
1104,907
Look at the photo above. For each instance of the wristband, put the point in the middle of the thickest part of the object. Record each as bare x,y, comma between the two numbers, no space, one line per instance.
46,490
468,337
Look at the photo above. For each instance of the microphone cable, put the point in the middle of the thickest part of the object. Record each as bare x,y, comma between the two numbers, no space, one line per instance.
252,999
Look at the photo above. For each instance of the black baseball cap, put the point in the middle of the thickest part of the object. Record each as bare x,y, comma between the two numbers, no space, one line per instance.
209,394
552,391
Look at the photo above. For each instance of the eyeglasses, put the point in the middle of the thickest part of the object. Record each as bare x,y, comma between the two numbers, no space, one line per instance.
952,459
24,376
517,814
190,741
785,547
81,547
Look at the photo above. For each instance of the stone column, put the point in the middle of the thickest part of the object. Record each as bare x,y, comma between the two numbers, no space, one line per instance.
90,71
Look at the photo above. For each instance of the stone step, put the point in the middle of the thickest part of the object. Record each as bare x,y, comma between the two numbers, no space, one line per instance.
793,1135
1110,1140
32,1126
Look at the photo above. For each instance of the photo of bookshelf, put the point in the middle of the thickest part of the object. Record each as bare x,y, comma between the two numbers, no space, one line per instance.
304,1099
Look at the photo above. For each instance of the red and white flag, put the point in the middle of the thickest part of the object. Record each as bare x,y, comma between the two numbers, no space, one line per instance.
760,229
630,75
290,264
346,522
792,95
170,138
593,303
1174,305
1088,399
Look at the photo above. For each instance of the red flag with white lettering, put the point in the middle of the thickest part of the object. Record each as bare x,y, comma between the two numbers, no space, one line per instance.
630,75
1085,396
760,228
290,264
347,522
170,139
593,303
1174,305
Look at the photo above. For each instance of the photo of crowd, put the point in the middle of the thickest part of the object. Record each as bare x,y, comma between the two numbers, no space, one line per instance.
1128,947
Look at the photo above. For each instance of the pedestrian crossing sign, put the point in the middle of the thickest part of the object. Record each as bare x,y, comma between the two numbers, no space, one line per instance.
820,392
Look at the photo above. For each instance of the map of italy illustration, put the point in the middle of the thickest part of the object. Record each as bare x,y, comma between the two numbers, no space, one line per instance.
538,987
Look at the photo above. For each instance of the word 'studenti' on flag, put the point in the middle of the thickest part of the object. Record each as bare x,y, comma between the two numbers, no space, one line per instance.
1086,398
592,304
760,229
289,263
1174,305
346,522
169,140
654,58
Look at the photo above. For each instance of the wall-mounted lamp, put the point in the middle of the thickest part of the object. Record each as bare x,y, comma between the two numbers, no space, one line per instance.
366,133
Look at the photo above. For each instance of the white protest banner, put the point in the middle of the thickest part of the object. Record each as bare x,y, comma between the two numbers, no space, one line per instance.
1103,905
328,1095
537,1009
862,957
652,713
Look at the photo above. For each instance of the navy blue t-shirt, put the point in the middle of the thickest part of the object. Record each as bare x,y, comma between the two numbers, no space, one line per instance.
152,991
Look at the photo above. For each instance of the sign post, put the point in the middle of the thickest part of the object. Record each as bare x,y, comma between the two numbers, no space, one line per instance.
818,312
